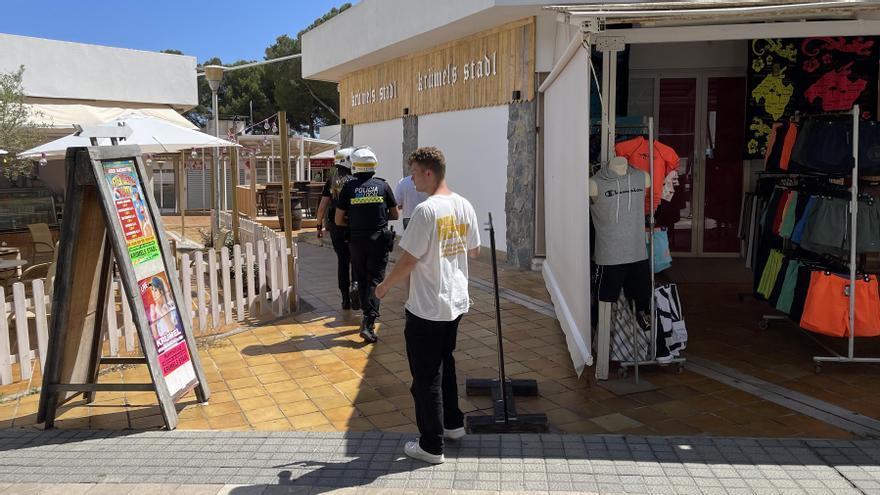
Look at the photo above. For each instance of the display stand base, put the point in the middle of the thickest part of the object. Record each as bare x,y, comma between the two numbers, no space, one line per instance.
621,386
499,422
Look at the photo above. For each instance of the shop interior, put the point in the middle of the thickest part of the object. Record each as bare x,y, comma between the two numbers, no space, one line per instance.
755,142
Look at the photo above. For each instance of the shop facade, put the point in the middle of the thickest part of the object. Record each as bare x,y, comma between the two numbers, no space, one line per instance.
522,143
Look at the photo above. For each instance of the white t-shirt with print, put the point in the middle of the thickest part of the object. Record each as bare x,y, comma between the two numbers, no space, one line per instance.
441,231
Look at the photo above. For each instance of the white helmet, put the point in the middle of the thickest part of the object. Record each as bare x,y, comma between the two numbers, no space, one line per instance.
342,158
363,161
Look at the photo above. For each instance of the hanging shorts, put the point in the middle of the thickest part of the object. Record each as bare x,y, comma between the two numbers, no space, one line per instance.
826,310
633,278
868,236
771,271
827,227
801,289
786,294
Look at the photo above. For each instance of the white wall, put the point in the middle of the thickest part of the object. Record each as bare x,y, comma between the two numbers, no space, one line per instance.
386,140
60,69
475,145
566,268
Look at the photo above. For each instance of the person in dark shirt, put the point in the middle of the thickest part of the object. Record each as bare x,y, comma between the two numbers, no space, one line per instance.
338,234
365,205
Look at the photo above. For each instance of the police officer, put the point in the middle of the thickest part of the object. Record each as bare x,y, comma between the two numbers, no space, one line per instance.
369,203
338,234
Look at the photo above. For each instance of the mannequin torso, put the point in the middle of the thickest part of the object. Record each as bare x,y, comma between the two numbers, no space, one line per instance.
618,165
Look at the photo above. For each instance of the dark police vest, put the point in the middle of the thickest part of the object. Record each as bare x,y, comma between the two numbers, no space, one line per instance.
368,201
333,188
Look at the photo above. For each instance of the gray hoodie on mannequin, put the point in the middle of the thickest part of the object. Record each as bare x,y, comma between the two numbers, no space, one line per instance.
619,216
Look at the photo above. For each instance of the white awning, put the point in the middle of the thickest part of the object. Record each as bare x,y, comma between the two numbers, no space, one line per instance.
676,12
63,114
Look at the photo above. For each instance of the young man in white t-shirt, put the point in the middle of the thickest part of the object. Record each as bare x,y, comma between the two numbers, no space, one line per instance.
442,233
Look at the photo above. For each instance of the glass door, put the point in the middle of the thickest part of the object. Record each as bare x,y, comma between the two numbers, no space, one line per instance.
677,128
721,184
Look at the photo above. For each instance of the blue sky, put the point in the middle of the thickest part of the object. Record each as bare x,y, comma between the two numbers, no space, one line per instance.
223,28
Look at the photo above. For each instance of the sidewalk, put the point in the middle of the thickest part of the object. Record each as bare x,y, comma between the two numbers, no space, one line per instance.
313,372
250,463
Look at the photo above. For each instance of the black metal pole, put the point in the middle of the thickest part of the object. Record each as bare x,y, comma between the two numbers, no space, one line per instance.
502,376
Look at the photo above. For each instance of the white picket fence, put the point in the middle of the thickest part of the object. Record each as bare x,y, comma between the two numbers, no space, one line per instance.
249,230
215,298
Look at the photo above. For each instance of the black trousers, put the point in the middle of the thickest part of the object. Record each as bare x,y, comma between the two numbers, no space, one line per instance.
429,346
339,238
368,261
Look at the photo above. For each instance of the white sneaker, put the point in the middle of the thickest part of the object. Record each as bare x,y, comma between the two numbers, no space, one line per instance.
414,450
454,434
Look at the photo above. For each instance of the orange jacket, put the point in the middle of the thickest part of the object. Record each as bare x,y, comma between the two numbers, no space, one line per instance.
666,160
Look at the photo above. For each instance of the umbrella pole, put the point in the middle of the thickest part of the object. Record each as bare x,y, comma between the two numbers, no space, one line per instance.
181,194
235,205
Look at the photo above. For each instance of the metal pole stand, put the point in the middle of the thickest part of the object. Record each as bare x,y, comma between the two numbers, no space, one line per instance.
652,350
504,418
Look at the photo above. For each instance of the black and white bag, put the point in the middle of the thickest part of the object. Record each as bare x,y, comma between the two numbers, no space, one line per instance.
670,322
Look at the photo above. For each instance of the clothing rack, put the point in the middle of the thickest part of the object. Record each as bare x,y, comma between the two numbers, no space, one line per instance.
850,356
809,183
652,349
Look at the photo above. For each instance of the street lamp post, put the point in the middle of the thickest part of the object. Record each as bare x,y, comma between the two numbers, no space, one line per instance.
214,75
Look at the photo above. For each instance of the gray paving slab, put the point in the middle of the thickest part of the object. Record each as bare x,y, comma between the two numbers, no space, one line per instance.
254,463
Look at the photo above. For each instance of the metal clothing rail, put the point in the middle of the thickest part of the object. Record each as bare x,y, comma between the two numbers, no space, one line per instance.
850,356
652,350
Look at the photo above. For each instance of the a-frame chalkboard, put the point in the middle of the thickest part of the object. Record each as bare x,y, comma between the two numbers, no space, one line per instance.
110,213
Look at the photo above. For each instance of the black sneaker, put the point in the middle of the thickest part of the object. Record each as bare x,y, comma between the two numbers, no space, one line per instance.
346,302
368,333
355,297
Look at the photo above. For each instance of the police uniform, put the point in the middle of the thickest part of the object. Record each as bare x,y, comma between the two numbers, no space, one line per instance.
366,200
339,234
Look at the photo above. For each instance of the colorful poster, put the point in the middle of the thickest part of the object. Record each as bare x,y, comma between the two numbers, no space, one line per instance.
807,75
166,326
131,209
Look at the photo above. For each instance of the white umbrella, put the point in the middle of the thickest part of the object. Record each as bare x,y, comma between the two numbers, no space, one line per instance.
151,134
3,152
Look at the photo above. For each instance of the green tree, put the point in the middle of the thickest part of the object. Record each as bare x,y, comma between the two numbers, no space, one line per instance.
18,130
273,87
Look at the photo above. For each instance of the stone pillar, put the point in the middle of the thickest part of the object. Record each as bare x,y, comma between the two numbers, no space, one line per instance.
410,139
346,135
519,204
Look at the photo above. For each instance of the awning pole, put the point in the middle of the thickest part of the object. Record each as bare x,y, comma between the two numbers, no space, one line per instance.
605,153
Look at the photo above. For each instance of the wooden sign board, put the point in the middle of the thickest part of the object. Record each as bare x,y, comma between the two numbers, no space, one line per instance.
482,70
110,213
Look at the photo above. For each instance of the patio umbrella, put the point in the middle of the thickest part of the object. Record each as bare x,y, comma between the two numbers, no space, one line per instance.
151,134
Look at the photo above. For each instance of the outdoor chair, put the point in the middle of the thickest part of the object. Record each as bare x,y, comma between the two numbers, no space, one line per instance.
42,244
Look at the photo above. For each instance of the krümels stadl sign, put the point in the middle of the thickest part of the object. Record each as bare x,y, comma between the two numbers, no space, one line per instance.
479,71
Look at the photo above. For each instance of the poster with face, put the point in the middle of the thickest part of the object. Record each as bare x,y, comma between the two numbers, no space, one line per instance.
810,76
163,316
165,324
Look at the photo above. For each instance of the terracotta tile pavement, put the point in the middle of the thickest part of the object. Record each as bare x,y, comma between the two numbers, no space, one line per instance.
313,372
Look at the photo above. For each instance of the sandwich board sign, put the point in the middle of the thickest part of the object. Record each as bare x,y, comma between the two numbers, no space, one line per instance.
110,214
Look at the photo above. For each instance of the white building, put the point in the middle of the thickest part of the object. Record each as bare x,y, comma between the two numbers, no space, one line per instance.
73,83
504,89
